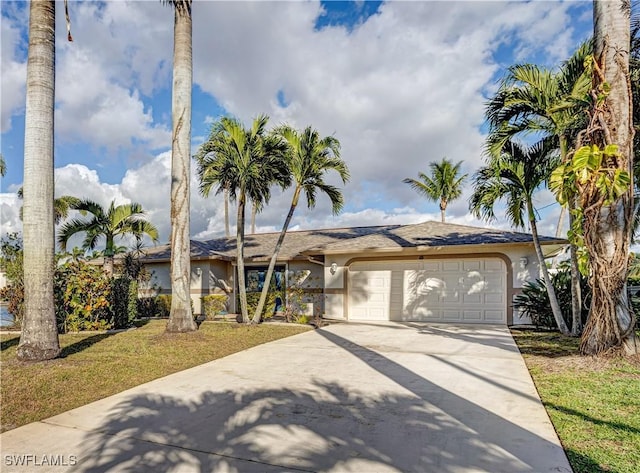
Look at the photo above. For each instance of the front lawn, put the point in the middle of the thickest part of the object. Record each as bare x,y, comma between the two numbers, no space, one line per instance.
97,365
594,403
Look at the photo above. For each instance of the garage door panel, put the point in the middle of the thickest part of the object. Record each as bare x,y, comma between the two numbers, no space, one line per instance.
450,298
472,316
451,315
494,298
494,315
475,298
472,265
466,290
451,266
494,265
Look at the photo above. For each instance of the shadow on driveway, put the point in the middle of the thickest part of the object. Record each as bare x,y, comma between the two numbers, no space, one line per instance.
320,425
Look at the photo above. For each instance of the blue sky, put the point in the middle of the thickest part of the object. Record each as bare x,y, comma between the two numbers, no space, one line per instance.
400,84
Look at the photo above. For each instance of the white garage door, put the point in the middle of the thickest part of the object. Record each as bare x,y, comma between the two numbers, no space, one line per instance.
450,290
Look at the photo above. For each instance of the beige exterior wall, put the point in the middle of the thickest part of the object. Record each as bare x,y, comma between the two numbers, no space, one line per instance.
207,277
311,277
327,287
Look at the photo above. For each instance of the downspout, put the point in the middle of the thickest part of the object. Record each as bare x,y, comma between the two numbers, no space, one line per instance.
311,260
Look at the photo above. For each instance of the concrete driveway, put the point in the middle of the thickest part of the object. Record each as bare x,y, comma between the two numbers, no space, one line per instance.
350,397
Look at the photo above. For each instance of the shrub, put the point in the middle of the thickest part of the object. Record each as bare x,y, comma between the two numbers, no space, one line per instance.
148,306
164,305
301,319
83,295
11,262
269,306
214,304
132,302
534,300
123,301
13,294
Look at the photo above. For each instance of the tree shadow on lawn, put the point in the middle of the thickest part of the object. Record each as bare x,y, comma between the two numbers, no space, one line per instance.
85,343
11,342
584,464
615,425
318,426
88,342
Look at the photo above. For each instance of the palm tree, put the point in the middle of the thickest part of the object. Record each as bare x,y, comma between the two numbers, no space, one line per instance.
180,318
246,162
39,338
309,158
550,106
3,166
117,221
444,184
255,209
61,206
608,228
206,149
515,176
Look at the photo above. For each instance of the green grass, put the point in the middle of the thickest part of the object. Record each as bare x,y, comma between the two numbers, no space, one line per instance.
594,403
97,365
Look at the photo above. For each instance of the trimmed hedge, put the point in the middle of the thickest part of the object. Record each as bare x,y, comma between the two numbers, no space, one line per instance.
269,307
214,304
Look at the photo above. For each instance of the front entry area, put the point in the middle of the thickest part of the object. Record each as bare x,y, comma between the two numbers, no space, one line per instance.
462,290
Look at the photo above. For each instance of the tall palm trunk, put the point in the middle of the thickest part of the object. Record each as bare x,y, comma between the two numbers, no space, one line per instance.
108,256
608,229
274,256
443,210
39,339
553,298
254,211
180,318
227,230
242,286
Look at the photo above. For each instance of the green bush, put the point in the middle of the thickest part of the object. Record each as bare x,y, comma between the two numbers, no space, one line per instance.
269,306
164,305
148,307
301,319
160,306
534,300
132,302
83,298
13,294
11,262
123,301
214,304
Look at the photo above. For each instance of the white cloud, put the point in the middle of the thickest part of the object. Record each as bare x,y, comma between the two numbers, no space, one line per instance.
401,90
13,70
10,213
119,53
404,88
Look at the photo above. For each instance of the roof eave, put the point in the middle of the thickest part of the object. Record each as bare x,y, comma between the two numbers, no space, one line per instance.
427,249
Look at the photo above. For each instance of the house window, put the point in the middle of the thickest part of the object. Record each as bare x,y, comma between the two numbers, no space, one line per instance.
255,278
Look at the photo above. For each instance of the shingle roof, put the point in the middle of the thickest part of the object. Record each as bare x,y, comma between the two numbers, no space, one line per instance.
433,234
259,247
